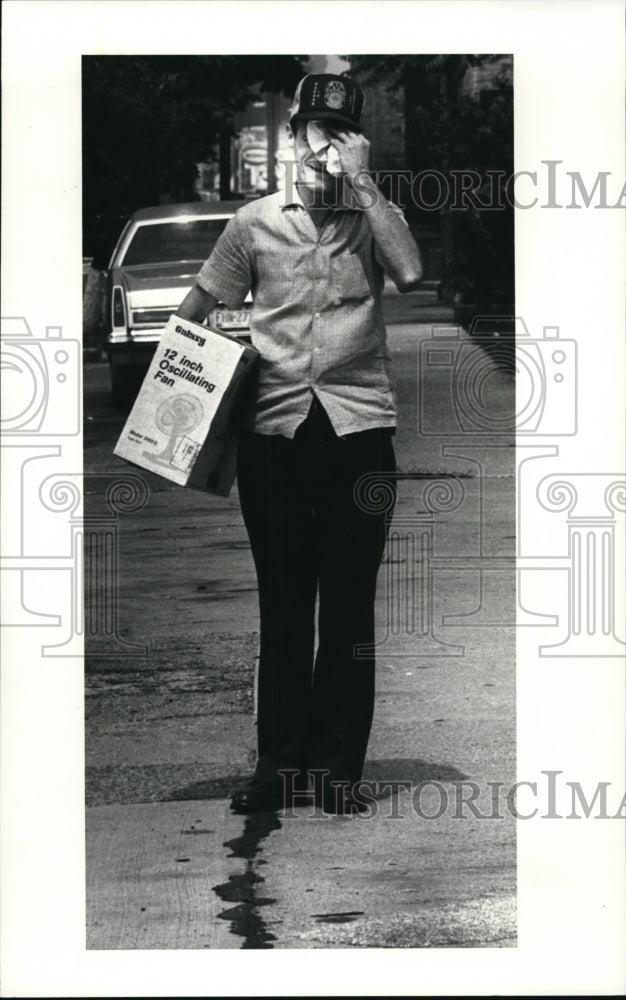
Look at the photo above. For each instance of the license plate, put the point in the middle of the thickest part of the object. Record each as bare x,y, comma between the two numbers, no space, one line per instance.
232,319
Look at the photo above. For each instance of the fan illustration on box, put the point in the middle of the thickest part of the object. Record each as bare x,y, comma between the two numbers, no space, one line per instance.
190,436
178,417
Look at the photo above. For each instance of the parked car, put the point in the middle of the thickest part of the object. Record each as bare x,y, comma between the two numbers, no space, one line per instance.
152,268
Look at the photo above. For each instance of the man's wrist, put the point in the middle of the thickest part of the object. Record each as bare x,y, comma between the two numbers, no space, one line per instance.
356,177
363,191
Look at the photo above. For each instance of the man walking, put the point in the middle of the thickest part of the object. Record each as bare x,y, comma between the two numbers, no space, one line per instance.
322,417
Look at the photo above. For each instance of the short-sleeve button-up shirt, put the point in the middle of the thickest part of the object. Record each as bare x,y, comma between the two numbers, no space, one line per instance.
316,319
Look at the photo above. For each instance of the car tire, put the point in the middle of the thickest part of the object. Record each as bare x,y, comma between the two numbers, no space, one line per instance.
125,384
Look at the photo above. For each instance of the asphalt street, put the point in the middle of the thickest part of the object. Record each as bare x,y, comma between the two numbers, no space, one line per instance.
172,639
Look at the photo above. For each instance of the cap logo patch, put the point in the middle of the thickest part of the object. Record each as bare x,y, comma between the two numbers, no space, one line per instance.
335,94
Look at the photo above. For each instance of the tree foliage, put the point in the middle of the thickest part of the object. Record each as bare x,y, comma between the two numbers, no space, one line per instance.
447,129
147,120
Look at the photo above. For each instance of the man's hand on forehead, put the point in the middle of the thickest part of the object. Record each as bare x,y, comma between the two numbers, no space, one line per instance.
318,130
340,148
353,149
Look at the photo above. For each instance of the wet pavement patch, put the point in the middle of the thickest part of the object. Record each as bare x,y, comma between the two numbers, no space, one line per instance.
246,919
176,665
338,918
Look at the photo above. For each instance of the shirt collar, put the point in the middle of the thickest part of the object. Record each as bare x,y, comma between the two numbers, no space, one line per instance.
290,198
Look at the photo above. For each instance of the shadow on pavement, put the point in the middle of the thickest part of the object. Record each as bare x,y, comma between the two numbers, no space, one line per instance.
392,770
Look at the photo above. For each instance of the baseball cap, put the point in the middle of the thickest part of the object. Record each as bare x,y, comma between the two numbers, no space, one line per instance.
328,97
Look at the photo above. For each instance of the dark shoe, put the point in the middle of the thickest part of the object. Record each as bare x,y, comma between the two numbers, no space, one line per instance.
340,801
265,796
256,796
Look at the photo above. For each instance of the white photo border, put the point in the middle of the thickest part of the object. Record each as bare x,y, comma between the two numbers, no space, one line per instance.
569,77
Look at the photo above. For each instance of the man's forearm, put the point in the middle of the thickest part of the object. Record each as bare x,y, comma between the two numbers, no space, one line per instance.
397,250
196,305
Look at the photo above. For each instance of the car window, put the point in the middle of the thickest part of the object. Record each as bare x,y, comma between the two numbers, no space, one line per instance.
166,242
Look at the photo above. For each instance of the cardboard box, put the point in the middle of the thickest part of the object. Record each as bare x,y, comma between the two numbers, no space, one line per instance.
181,425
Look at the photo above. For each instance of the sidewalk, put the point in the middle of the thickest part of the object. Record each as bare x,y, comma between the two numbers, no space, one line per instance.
169,866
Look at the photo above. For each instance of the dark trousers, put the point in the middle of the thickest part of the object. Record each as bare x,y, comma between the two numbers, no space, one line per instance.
310,536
